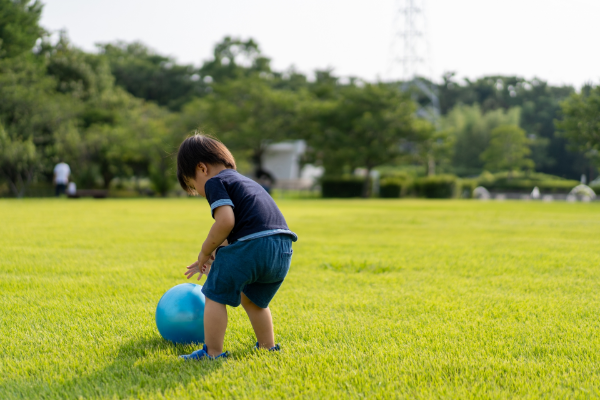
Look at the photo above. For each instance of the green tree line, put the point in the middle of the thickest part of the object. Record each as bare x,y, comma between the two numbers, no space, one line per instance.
120,112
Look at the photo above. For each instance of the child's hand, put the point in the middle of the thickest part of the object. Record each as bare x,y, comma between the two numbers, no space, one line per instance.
207,265
193,270
205,259
196,269
205,269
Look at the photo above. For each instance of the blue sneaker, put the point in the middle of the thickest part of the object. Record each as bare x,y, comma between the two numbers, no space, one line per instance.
203,353
274,348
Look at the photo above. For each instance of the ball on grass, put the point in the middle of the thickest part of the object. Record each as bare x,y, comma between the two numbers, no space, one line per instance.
180,314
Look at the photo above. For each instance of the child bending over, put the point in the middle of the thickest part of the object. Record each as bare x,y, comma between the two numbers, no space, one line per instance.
249,242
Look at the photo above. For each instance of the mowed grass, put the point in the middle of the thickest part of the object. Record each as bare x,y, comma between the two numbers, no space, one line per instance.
385,299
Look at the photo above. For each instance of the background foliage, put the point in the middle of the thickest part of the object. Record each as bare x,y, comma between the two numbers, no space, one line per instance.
116,116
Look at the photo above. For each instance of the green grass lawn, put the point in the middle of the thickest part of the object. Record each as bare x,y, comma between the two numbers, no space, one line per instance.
385,299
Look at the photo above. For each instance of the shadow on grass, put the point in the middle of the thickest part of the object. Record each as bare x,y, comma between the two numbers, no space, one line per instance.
142,367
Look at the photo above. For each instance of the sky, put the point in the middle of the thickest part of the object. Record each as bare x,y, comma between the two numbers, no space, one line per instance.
554,40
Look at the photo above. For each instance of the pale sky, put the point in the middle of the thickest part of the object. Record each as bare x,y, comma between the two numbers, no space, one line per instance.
555,40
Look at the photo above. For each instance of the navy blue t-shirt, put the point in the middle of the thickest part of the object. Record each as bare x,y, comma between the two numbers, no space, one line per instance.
256,214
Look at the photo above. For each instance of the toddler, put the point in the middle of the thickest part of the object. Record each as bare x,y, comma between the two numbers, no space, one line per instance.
249,242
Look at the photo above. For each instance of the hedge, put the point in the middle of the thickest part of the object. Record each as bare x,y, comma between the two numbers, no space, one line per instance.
448,186
526,185
393,188
436,187
342,187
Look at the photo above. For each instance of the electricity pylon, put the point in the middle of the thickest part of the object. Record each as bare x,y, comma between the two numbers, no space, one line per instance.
411,60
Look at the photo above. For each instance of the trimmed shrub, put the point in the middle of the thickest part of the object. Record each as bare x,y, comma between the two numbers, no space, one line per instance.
342,187
393,187
524,182
436,187
557,186
526,185
390,189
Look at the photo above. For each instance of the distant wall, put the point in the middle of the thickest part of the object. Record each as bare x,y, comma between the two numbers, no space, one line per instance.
283,159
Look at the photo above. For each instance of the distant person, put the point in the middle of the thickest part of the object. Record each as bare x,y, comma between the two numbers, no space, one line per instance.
62,172
250,243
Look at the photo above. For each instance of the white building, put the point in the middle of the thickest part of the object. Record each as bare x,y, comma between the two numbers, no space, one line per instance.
282,160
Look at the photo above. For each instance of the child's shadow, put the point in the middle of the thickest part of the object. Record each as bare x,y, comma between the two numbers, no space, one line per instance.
142,367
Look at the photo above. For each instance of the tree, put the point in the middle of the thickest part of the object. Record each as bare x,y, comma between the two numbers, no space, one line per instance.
247,115
151,76
508,150
472,131
81,75
581,119
32,113
581,124
120,135
127,139
18,161
363,127
159,145
436,149
235,59
35,120
540,106
19,28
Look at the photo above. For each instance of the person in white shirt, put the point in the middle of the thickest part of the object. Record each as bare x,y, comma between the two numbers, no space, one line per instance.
62,172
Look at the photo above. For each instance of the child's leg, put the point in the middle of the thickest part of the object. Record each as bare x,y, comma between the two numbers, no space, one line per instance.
261,321
215,324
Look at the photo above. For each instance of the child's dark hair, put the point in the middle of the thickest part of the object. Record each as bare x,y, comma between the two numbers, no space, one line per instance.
197,149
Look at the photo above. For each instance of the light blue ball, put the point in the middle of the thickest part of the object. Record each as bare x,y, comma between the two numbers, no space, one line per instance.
180,314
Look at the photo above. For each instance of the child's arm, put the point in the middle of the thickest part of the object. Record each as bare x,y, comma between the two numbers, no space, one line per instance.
224,222
213,255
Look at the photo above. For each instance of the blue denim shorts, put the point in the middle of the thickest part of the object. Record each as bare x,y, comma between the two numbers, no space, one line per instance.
254,267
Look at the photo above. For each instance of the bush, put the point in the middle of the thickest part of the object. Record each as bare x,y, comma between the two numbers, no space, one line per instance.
557,186
395,187
526,185
525,182
436,187
390,189
342,187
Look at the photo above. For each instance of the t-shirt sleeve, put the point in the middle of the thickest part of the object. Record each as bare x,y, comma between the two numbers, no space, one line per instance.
217,195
